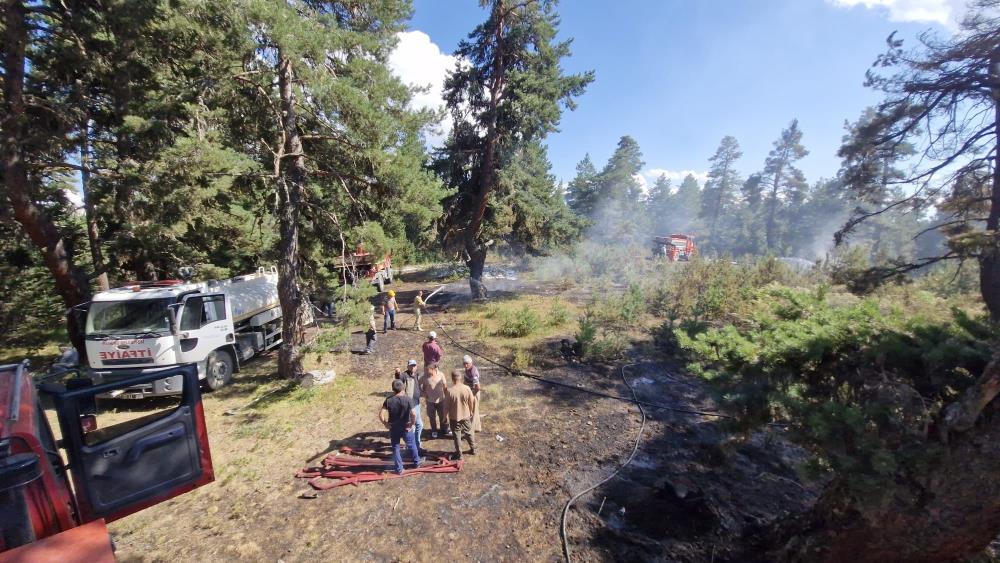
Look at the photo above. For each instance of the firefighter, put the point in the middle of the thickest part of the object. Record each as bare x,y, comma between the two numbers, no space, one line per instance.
389,312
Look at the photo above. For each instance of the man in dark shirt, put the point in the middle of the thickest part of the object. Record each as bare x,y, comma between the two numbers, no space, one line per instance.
400,421
409,377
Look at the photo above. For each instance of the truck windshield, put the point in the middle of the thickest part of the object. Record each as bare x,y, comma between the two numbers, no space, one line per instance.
136,316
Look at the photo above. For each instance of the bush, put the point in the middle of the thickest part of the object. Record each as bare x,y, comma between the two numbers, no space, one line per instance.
523,360
517,323
558,314
860,384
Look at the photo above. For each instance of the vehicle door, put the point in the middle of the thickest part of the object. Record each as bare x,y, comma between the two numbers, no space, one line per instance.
205,325
129,465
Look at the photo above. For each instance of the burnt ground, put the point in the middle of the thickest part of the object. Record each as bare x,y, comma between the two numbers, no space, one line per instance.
693,493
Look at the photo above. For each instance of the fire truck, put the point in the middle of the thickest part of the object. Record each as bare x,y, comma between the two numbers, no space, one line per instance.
56,510
363,265
675,247
215,325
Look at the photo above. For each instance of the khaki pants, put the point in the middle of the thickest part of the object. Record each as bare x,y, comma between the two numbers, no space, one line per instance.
437,416
416,313
463,429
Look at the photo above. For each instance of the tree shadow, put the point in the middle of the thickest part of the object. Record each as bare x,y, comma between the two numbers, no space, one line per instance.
377,443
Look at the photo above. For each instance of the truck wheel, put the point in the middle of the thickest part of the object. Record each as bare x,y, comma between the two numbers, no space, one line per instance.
218,370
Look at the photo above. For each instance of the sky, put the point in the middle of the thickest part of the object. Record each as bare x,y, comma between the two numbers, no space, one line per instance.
678,75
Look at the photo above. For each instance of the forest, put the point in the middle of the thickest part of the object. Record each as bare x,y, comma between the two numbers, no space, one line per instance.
142,137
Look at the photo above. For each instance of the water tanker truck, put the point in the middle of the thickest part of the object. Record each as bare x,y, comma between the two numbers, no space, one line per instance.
215,325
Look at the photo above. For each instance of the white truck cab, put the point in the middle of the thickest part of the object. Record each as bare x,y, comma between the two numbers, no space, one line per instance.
217,324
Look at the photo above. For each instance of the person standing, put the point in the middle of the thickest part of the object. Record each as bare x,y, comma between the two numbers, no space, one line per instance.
432,387
389,312
472,380
418,306
462,406
400,422
409,377
370,335
432,351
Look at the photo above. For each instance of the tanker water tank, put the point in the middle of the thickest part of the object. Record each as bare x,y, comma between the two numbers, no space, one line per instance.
250,294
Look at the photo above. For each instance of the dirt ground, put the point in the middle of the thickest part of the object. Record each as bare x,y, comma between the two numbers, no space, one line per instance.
692,494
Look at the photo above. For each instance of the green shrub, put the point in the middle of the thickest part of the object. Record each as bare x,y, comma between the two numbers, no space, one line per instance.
517,323
558,314
523,360
860,383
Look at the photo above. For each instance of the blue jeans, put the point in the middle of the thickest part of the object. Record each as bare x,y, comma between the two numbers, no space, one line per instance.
389,320
394,437
418,428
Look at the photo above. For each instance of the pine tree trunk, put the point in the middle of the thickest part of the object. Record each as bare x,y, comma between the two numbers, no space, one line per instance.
289,200
487,169
477,263
43,232
772,211
989,261
948,512
90,210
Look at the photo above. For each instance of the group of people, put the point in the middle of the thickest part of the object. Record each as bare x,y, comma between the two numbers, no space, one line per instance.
389,308
452,407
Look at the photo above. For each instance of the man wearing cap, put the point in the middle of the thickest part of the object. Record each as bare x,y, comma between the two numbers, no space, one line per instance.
389,312
432,387
462,409
400,422
412,390
432,351
471,379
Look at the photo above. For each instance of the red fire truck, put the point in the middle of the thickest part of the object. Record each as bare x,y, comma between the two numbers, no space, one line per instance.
56,510
361,264
675,247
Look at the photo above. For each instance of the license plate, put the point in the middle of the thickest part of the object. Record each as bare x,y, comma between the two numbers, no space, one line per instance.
132,395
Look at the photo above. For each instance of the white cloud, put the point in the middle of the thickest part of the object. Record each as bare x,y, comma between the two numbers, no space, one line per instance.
675,176
641,180
419,62
945,12
74,197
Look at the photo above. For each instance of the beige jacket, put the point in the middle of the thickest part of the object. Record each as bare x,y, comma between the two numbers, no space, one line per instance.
460,402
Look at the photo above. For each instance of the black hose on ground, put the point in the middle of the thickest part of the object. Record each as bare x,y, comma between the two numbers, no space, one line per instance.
635,449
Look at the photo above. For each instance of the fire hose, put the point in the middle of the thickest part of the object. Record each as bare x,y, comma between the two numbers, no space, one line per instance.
635,449
347,468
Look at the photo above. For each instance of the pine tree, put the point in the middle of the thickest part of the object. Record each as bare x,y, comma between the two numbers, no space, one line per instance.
581,193
781,177
619,194
685,203
507,92
328,131
720,190
658,204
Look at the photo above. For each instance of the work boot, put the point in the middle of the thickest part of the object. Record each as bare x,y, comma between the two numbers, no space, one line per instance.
472,451
456,457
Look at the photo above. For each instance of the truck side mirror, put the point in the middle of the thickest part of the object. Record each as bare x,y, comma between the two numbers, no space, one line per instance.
172,313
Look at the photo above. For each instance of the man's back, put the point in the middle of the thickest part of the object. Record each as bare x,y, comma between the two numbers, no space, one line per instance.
432,352
399,407
460,401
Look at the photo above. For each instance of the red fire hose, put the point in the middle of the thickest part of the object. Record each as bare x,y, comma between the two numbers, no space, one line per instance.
347,468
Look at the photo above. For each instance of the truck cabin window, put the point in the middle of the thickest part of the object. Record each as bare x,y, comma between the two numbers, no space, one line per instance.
199,311
135,316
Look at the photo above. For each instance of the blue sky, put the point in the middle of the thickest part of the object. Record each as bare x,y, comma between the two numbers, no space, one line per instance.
678,75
